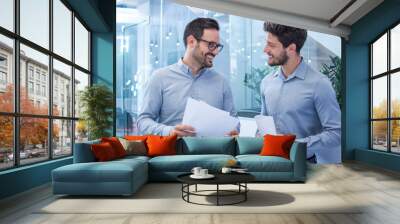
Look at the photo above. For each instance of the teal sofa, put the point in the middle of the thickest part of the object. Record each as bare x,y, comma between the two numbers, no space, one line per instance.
125,176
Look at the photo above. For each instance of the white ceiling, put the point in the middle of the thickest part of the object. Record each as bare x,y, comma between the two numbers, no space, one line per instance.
317,15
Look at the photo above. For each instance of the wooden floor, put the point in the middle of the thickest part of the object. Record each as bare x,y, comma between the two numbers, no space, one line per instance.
377,188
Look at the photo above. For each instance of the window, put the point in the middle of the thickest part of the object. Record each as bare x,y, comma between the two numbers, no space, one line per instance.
81,81
153,38
37,89
43,90
53,125
30,87
81,45
37,74
63,74
7,75
7,14
3,72
3,61
385,94
30,72
3,78
62,29
35,22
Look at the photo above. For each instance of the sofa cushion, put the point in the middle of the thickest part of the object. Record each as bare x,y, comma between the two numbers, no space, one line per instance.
249,145
208,145
257,163
112,171
185,163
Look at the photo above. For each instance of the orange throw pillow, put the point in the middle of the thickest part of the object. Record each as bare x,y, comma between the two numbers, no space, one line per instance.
136,137
103,152
277,145
116,145
161,145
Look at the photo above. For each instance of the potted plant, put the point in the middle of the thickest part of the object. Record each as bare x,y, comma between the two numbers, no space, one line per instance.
96,102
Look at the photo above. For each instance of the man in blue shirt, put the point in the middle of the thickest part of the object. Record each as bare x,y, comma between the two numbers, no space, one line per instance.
300,99
169,88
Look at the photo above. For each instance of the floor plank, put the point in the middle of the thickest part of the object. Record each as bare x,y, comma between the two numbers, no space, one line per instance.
377,189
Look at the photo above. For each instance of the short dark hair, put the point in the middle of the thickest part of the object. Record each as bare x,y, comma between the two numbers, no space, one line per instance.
287,34
197,26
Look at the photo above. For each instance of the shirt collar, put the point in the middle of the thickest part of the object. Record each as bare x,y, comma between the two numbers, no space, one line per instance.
299,72
185,69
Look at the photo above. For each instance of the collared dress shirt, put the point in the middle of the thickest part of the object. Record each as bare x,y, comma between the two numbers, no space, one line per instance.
167,92
305,104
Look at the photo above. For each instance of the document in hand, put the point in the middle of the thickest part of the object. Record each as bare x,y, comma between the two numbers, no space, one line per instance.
207,120
265,125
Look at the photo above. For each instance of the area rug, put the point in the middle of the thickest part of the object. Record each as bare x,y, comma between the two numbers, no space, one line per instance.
167,198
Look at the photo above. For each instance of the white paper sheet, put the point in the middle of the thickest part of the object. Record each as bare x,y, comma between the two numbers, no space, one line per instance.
248,127
265,125
207,120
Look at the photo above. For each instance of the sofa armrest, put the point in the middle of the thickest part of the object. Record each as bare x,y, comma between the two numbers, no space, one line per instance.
298,154
83,152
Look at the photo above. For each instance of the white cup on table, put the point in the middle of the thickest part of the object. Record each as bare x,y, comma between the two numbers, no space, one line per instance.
203,172
196,170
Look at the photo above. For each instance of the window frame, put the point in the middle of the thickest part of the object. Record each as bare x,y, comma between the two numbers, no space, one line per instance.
388,74
16,114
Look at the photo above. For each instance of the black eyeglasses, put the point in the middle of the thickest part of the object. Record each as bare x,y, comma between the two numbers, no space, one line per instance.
213,45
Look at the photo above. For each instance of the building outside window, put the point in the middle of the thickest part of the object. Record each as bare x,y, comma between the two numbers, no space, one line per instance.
30,72
43,90
30,87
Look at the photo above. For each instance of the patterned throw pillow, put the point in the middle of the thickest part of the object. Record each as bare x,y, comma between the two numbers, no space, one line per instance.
134,147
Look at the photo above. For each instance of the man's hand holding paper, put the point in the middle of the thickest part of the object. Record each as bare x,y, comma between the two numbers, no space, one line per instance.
207,120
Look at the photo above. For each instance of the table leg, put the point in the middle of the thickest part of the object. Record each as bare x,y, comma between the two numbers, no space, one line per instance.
217,194
245,191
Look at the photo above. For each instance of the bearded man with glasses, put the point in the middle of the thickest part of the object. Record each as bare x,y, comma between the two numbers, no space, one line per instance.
192,76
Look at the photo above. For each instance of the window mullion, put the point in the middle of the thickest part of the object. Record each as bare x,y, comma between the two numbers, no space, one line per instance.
50,81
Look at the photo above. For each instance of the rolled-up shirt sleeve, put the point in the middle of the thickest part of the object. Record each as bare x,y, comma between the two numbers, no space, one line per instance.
329,114
150,111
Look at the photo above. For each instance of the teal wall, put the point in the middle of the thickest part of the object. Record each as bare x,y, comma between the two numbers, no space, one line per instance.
24,178
102,58
357,84
99,16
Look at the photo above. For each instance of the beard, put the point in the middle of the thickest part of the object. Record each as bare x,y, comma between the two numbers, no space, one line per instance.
205,60
281,59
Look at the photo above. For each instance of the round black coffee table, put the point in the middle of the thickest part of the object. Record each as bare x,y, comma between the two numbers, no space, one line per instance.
238,179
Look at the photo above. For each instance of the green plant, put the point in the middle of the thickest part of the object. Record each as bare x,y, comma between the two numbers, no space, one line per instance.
253,80
334,72
96,102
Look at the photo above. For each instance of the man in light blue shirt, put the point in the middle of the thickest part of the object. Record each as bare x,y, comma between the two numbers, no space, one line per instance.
169,88
301,100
